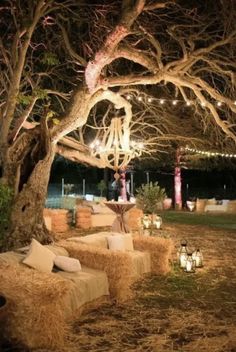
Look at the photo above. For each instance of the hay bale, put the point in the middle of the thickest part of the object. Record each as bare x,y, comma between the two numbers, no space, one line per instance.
160,250
117,265
83,217
200,205
60,219
35,316
134,216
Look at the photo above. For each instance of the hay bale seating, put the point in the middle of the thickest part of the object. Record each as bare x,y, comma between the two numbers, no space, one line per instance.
35,305
115,264
60,219
151,254
83,217
41,306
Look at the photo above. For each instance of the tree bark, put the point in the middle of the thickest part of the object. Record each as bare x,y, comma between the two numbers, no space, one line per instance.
178,182
27,171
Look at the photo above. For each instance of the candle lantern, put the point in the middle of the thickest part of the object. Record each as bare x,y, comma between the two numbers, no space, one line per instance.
182,254
146,224
157,222
198,258
190,264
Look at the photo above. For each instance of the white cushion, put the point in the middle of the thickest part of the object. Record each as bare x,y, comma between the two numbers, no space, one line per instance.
116,243
128,240
39,257
70,265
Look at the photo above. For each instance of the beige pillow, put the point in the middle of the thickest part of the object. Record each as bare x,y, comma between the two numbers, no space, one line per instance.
116,243
128,240
39,257
70,265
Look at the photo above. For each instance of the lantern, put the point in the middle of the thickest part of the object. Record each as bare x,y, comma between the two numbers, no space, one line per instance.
157,222
182,254
190,264
146,223
198,258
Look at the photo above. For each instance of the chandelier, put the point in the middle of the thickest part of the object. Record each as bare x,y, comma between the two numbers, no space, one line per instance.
115,149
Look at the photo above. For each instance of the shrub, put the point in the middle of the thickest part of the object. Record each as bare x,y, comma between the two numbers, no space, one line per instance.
102,187
149,196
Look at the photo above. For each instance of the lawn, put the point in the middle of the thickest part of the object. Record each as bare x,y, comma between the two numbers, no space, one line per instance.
227,221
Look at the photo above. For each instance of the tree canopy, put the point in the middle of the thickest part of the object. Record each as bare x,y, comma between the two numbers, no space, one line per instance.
67,67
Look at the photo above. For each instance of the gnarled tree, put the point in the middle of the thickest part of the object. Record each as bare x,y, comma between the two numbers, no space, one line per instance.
59,60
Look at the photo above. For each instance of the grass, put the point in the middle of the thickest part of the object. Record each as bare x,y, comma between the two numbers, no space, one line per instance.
226,221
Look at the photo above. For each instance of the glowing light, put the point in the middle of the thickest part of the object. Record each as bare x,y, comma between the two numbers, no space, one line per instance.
219,103
188,103
150,100
162,101
208,153
128,97
140,98
174,102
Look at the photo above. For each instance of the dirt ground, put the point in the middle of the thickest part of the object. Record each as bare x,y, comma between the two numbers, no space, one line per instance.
180,312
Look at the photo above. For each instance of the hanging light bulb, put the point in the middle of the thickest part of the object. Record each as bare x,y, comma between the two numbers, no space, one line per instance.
188,103
219,103
128,97
162,101
140,98
149,100
174,102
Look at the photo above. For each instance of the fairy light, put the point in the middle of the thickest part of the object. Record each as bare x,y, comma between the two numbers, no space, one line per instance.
174,102
208,153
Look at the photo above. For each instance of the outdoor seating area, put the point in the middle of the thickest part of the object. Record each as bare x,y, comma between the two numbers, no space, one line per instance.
45,297
213,205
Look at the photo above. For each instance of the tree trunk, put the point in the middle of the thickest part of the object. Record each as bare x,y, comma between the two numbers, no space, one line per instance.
178,181
28,174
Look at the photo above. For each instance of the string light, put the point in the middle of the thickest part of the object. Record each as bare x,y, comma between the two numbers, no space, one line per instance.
208,153
174,102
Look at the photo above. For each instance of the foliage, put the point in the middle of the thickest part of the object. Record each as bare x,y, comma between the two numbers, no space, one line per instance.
50,59
68,188
6,196
102,187
149,196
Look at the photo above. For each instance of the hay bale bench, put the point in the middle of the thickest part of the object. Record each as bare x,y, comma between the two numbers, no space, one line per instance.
41,305
123,268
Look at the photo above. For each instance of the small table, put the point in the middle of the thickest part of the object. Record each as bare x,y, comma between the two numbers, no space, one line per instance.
120,208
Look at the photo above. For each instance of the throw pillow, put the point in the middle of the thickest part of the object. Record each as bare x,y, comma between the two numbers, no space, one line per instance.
70,265
128,240
116,242
39,257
